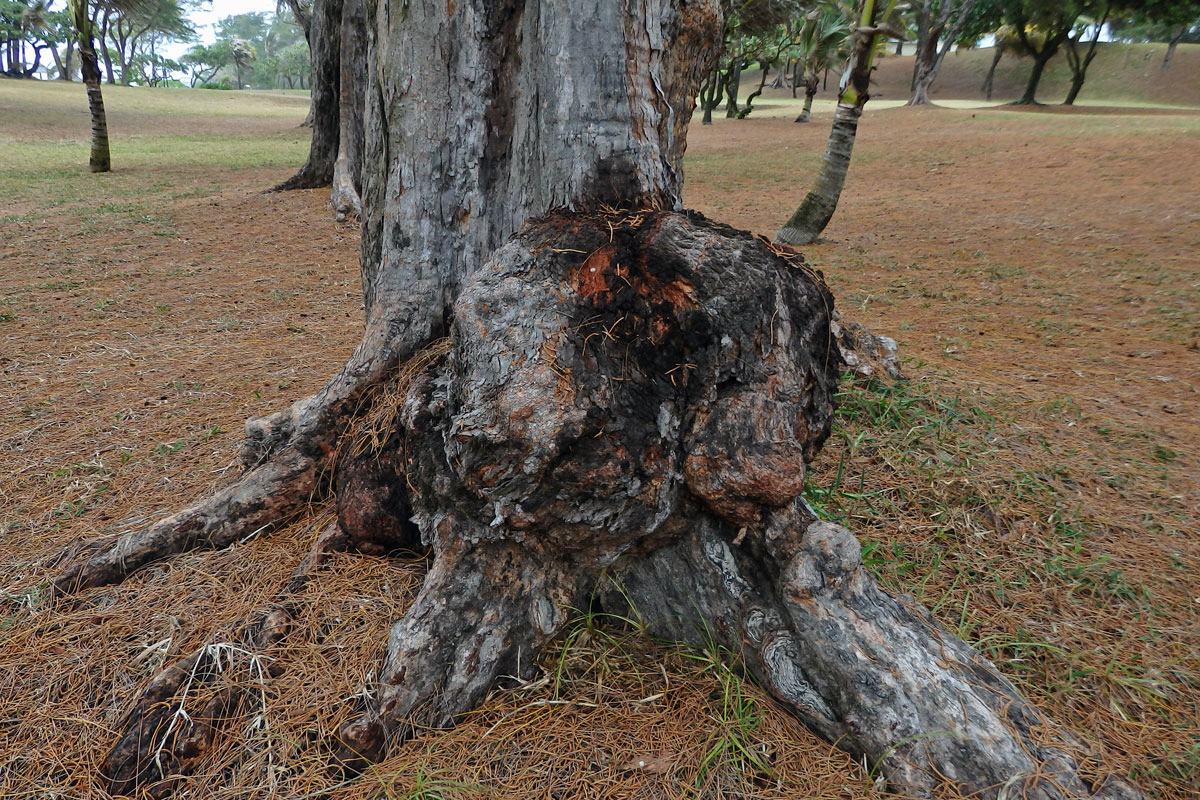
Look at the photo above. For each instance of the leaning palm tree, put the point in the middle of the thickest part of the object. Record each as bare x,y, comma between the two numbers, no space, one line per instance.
243,54
82,19
874,27
825,32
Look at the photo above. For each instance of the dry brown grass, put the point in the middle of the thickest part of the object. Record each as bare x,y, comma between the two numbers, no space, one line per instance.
1034,483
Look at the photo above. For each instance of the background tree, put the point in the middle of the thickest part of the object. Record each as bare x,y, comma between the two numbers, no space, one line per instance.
939,25
1042,26
293,65
1170,21
325,79
135,31
203,62
1006,42
242,53
821,42
1080,61
27,30
870,34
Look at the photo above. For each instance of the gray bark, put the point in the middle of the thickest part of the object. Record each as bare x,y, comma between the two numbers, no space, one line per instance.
934,41
324,42
352,87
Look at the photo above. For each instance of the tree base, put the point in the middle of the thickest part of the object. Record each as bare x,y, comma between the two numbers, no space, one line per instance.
623,411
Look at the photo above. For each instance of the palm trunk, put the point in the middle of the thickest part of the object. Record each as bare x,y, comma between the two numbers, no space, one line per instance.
100,160
818,206
810,91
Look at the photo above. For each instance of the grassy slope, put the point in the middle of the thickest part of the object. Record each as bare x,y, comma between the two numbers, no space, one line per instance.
1120,75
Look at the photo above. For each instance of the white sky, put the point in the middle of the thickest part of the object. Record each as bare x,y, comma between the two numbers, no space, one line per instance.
206,21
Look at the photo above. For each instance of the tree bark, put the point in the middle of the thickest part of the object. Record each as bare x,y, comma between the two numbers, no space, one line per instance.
325,59
819,204
933,42
991,73
1171,45
345,197
617,388
99,160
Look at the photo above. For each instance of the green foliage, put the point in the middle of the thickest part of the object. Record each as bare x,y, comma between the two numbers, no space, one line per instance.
264,50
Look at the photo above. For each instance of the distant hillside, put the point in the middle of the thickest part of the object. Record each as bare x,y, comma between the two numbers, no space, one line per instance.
1121,73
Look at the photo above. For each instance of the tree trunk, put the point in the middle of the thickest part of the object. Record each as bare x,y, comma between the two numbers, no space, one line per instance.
1171,45
991,73
749,107
819,204
99,160
733,85
617,389
1079,66
1040,60
345,197
325,82
59,67
810,91
933,42
110,77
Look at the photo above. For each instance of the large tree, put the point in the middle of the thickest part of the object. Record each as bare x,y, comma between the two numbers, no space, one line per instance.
336,30
939,24
1042,27
572,392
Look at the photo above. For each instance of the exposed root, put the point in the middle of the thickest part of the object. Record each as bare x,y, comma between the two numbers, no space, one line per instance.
263,499
165,735
451,648
634,392
875,674
288,456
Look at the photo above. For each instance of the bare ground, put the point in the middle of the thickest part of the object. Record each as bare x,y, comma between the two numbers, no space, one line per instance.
1035,481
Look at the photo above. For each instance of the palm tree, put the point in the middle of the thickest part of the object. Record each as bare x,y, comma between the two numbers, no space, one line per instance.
243,54
817,209
825,32
81,13
81,17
